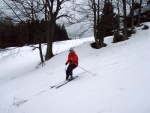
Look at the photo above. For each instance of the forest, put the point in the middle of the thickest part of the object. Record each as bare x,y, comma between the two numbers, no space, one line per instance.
20,34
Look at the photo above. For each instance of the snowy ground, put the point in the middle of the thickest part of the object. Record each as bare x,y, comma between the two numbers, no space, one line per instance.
121,84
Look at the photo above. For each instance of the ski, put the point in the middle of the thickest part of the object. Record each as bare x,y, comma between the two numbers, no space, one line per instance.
63,83
57,84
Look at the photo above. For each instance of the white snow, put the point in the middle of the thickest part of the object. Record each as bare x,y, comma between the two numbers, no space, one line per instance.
121,83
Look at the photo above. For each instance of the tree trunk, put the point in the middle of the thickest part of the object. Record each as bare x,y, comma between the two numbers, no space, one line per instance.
41,54
95,36
50,35
95,25
125,20
132,17
118,27
103,35
98,25
139,15
37,37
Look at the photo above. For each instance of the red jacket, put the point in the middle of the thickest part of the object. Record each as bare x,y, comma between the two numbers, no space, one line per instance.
73,58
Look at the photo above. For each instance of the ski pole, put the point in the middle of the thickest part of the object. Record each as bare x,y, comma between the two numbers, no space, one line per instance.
65,67
86,70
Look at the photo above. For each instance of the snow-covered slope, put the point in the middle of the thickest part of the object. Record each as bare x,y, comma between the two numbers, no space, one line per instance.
120,85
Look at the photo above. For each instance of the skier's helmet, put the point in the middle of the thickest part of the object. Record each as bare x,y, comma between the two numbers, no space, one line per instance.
71,49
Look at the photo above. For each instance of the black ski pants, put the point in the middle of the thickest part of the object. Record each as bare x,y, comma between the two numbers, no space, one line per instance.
69,70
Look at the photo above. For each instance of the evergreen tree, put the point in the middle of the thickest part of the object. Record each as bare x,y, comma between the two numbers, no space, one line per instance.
64,33
60,33
27,33
107,19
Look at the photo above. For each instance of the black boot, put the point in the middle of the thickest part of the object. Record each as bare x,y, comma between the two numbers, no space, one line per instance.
67,77
71,77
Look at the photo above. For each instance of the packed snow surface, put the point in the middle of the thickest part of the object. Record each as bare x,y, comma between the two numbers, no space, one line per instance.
120,84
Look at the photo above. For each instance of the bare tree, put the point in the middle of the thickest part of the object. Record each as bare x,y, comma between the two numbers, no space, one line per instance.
98,26
52,14
96,21
27,10
118,8
34,9
125,20
92,9
132,17
131,5
139,14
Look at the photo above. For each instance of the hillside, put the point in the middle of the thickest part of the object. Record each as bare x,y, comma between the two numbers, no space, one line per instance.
120,85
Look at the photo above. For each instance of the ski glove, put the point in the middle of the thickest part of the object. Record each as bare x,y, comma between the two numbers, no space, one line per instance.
67,62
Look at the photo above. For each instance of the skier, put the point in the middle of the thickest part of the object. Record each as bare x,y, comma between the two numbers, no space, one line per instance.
73,63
